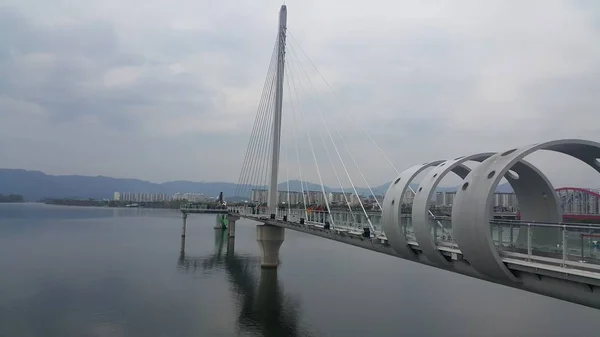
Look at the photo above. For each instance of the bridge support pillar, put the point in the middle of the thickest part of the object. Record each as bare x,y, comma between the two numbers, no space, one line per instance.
231,219
230,246
269,239
183,228
182,249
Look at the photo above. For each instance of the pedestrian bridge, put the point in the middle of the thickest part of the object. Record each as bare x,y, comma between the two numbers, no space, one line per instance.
538,252
569,270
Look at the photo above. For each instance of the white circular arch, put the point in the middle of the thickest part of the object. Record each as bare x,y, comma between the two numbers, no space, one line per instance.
391,215
471,211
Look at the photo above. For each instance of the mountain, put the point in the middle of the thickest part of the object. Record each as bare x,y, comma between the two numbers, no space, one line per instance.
35,185
295,185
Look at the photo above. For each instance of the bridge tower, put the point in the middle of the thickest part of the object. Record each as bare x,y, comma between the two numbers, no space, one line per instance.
272,202
270,238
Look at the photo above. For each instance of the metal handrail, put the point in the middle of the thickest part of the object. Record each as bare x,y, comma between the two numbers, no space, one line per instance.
566,225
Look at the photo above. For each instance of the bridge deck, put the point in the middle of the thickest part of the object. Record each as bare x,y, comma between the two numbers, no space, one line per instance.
379,243
200,210
563,277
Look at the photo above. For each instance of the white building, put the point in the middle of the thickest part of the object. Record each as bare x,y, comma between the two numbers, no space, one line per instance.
260,196
449,198
444,198
355,200
291,197
508,200
409,197
338,197
315,197
140,197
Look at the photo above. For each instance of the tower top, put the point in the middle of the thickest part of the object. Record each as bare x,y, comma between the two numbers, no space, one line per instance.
283,16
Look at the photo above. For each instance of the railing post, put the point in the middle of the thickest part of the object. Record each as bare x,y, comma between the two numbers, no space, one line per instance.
499,234
564,244
582,260
512,243
529,242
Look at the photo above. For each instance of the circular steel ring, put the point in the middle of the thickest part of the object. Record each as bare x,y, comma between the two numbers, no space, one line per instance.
391,215
420,211
537,202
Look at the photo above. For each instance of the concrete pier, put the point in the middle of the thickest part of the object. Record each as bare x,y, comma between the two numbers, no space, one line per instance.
182,249
230,246
231,219
183,228
269,239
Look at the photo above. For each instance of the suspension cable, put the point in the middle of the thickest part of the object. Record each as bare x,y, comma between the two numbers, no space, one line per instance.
250,158
287,175
294,124
314,158
355,119
293,53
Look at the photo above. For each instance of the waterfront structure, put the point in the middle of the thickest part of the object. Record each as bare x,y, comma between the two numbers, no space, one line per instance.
259,196
535,252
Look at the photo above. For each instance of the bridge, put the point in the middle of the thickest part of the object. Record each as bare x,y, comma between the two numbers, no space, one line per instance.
537,251
579,204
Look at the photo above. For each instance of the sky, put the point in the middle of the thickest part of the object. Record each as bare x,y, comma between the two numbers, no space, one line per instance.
168,90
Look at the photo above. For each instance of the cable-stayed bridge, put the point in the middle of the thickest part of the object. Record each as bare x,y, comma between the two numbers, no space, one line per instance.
537,251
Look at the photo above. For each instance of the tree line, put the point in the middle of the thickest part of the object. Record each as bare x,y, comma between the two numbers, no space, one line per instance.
11,198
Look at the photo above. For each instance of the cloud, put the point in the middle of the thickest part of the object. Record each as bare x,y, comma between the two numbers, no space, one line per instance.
165,91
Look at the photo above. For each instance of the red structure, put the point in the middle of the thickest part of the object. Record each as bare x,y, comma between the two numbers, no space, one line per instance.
579,203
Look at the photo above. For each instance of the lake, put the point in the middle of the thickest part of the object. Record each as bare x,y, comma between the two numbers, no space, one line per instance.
77,271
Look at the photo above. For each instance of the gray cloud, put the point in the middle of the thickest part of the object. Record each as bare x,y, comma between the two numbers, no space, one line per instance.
162,91
78,69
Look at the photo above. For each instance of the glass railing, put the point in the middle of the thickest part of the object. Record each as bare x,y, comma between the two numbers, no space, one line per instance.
407,227
566,241
350,221
441,231
573,243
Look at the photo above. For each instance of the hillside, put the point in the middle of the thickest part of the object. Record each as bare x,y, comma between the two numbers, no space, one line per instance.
36,185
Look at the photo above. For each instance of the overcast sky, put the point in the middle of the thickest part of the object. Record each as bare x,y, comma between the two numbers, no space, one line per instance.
168,89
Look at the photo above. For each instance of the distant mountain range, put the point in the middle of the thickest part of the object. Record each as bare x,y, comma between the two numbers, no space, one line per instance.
36,185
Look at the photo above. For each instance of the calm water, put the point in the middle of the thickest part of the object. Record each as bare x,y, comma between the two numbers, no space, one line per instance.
67,271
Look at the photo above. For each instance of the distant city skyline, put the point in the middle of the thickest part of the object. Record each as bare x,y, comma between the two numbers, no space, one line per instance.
160,197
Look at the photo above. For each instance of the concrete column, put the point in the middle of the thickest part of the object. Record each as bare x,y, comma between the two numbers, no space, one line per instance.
231,227
269,239
183,229
182,249
231,219
230,246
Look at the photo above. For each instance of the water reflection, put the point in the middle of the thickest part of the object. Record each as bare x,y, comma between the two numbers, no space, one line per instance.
264,309
52,212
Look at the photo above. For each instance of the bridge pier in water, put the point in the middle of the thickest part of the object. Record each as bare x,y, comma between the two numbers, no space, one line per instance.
468,239
184,226
269,240
231,219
